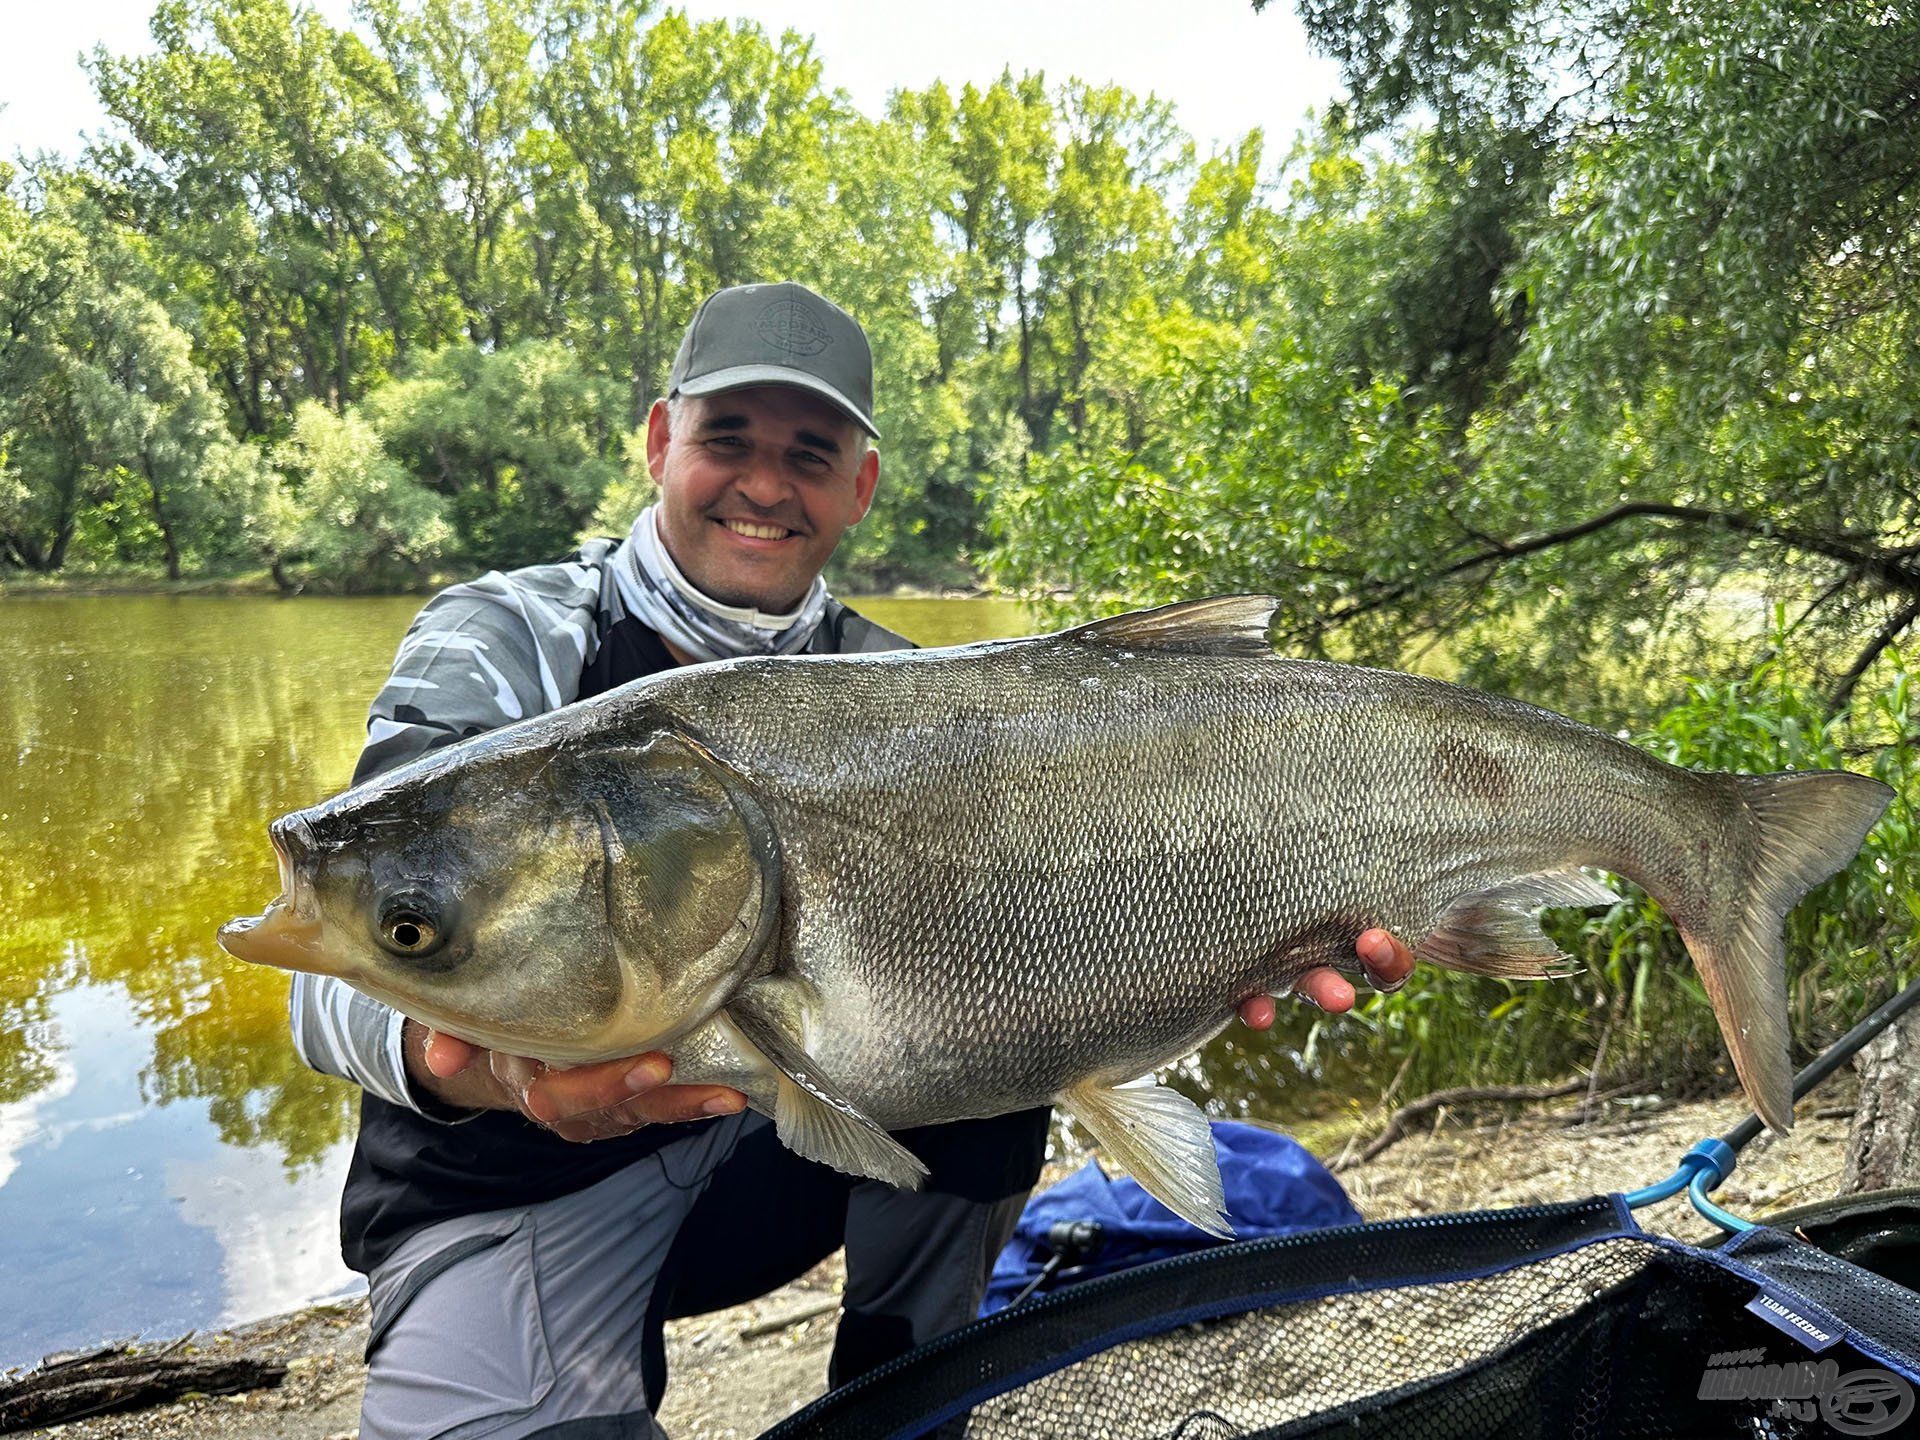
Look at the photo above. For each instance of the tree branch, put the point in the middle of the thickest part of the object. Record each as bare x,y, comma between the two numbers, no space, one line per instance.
1888,567
1402,1119
1820,602
1890,632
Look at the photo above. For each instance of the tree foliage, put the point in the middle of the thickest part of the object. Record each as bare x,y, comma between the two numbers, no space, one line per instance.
1594,314
1633,286
481,225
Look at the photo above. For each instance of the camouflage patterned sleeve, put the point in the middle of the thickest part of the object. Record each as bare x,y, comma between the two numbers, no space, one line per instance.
479,655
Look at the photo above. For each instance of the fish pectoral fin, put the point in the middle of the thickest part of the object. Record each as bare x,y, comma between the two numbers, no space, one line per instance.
1225,625
1497,932
1159,1137
811,1116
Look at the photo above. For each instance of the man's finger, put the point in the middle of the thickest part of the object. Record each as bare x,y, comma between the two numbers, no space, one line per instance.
447,1055
1388,963
1327,988
669,1105
560,1094
1258,1012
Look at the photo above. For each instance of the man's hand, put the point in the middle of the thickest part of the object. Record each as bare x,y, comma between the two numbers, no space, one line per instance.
589,1102
1386,961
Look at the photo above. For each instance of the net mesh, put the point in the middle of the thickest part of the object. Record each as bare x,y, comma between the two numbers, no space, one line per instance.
1587,1335
1583,1346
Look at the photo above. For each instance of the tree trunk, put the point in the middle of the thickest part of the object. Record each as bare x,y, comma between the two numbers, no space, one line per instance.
57,556
160,518
1034,427
23,548
1883,1149
118,1378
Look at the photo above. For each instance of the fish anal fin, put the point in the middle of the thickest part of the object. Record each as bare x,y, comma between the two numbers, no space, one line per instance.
1225,625
1497,931
1159,1137
812,1116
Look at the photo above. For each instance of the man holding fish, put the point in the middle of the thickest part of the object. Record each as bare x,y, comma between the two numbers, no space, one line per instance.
519,1273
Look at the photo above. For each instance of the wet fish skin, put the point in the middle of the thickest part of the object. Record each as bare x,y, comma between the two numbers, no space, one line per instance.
941,884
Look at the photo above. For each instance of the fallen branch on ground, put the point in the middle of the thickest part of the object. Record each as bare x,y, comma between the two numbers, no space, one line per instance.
121,1378
1400,1121
787,1319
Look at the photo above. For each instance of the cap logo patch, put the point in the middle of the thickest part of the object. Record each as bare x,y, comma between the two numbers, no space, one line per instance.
791,326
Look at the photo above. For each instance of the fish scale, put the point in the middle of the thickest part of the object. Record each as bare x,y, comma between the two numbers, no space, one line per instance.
978,913
882,891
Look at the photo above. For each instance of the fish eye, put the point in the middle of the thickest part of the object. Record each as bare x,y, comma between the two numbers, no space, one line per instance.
410,925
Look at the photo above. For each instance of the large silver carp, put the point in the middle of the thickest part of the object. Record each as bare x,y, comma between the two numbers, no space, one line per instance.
888,890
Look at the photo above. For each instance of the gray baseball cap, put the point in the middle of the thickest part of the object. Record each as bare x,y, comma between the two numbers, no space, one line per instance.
780,334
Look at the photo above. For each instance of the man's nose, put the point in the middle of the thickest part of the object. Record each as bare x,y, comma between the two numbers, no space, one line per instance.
764,480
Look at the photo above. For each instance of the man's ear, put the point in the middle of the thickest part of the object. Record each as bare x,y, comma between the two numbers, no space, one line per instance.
657,440
865,481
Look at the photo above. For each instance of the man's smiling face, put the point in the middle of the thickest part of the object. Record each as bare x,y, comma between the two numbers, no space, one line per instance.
756,488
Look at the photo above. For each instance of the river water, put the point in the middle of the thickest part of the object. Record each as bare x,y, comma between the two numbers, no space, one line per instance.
166,1163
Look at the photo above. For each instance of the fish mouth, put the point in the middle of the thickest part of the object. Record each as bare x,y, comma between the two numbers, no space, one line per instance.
285,935
278,936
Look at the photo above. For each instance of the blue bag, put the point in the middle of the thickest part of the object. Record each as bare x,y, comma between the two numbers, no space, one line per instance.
1274,1186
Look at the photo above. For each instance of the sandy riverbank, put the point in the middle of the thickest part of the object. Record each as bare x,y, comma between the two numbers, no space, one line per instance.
737,1371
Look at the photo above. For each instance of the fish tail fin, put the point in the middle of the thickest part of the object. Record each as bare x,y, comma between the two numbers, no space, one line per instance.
1799,829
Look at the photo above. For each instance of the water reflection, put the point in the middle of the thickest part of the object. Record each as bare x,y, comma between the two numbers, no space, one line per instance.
107,1227
150,740
146,742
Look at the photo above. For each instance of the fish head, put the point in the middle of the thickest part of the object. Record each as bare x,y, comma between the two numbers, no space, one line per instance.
555,902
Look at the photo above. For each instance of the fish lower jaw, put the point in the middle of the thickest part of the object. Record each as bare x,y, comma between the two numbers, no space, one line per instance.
613,1042
567,1051
561,1054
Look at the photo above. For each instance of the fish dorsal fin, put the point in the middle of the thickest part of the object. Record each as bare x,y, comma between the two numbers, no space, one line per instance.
1224,625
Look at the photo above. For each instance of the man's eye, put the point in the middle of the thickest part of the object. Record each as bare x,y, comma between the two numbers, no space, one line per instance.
809,459
727,442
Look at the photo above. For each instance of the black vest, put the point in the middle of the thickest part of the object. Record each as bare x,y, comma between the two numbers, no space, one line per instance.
409,1171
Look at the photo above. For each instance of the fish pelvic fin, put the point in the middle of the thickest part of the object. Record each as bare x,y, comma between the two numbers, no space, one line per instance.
1159,1137
1802,827
812,1116
1225,625
1497,932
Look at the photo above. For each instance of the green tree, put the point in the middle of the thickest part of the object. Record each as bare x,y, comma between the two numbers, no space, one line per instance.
520,443
153,426
351,512
44,291
113,442
463,99
259,157
1713,229
700,150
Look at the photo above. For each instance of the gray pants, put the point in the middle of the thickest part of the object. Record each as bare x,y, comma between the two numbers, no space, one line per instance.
545,1321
